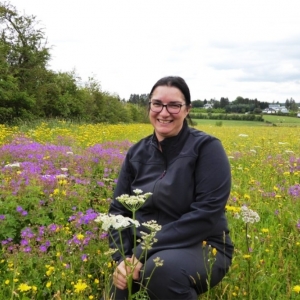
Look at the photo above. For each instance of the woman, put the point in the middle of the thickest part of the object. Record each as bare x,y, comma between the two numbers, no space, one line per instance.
188,174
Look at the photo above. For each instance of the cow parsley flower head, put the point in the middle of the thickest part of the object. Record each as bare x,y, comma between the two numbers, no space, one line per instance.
152,226
248,215
115,221
133,202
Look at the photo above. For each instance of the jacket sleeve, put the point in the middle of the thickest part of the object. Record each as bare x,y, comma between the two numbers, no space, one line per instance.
212,188
122,239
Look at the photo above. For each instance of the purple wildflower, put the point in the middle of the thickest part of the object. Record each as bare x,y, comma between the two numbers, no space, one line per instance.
53,227
27,233
24,242
295,190
41,230
84,257
27,249
43,248
19,209
2,217
104,235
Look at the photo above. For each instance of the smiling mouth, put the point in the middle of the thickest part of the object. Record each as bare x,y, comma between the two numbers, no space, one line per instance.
164,121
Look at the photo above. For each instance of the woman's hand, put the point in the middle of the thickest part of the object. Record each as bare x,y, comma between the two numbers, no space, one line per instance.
126,268
119,276
136,267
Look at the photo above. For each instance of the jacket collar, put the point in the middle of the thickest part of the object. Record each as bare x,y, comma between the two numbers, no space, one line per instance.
173,143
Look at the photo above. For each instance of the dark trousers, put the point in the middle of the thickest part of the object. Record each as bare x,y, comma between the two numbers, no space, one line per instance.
185,274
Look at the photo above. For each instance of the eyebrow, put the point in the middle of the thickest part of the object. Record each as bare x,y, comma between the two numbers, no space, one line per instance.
172,101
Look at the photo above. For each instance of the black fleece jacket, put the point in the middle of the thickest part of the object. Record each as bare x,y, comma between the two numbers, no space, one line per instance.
190,180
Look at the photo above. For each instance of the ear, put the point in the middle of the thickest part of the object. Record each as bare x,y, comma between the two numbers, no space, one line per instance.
188,108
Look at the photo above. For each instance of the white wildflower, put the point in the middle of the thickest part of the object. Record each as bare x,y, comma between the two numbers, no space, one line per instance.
46,176
148,240
64,169
248,215
110,251
152,225
70,153
158,262
61,176
133,202
243,135
14,165
115,221
137,191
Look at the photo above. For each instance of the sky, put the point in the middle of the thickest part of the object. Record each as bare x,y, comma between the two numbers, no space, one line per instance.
222,48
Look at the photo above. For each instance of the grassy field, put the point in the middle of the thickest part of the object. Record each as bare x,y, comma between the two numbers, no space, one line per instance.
269,120
56,177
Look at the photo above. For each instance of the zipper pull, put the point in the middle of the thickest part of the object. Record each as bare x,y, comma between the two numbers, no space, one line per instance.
163,174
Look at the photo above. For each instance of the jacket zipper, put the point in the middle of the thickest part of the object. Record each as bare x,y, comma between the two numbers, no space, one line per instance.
163,174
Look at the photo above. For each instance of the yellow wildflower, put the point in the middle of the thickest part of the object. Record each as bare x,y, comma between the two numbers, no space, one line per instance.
80,236
56,192
23,287
214,251
80,286
296,289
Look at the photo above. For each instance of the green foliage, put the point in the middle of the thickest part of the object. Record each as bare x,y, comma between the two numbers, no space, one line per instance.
28,90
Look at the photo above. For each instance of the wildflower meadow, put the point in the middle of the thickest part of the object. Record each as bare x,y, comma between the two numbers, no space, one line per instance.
57,179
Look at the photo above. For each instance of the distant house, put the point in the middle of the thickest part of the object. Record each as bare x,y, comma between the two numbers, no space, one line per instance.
275,108
207,106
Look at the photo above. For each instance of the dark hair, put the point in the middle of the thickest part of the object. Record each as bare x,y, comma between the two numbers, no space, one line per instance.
178,82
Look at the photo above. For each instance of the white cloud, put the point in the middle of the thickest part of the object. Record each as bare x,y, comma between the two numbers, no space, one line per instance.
221,48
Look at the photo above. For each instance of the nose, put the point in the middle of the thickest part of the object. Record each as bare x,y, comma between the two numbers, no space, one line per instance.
164,111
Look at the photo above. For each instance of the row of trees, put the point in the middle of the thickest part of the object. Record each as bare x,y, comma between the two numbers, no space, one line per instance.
28,89
241,105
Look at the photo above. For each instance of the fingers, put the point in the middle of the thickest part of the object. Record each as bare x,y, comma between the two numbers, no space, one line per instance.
136,267
131,266
119,276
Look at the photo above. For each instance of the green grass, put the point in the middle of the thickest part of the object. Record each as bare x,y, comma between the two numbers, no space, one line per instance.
269,120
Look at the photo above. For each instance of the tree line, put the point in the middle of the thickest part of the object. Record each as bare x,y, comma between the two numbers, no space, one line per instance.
29,90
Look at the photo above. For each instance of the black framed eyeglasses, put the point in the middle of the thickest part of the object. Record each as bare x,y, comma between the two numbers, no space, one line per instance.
172,108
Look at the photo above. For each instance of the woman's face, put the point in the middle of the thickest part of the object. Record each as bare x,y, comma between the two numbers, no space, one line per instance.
167,124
